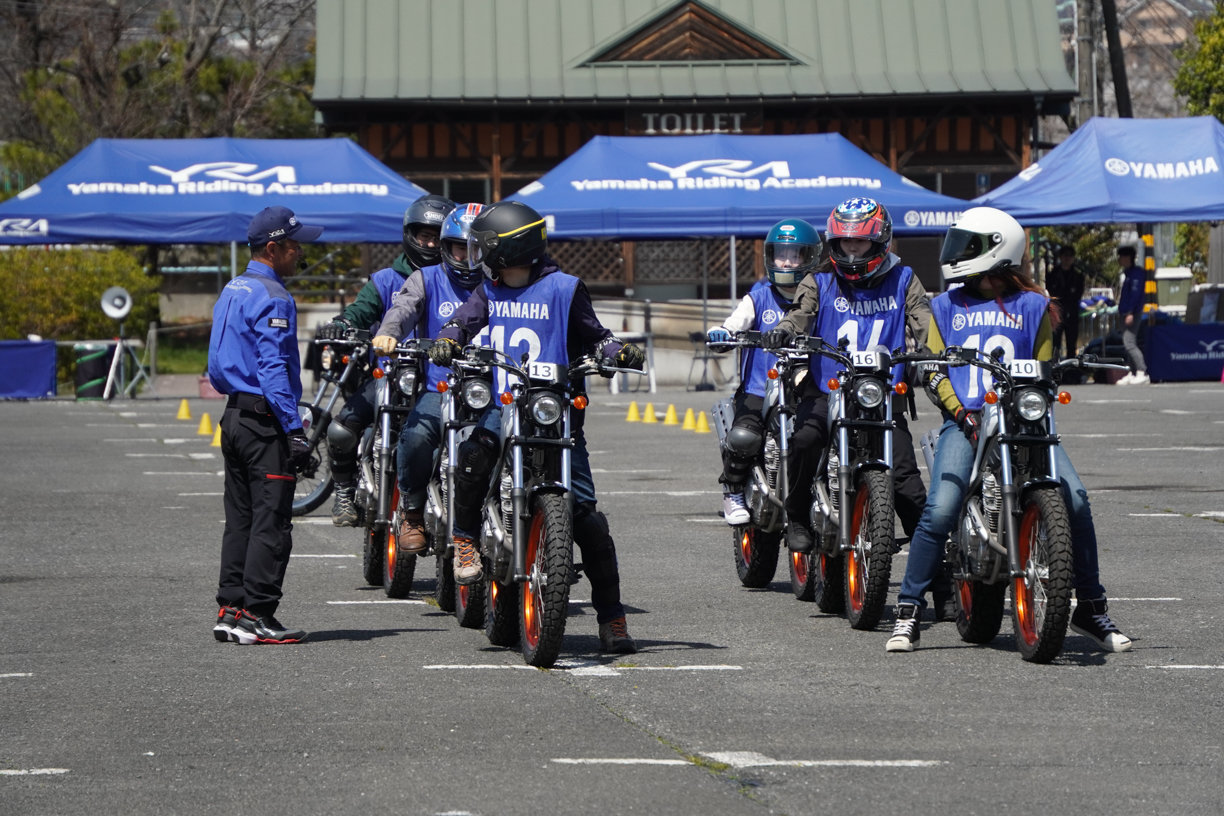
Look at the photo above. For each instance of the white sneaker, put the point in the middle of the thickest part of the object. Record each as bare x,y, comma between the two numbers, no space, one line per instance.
735,512
1141,378
1126,379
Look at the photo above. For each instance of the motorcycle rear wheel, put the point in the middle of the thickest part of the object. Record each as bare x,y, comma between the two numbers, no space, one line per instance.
501,624
756,555
1041,598
314,482
398,568
828,582
444,589
979,609
470,603
869,560
372,554
544,596
804,574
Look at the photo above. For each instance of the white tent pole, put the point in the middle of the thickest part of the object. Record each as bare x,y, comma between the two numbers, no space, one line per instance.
233,259
733,275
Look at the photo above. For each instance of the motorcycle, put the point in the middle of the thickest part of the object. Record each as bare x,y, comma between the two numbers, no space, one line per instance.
1014,528
526,536
377,489
852,513
467,392
756,545
345,368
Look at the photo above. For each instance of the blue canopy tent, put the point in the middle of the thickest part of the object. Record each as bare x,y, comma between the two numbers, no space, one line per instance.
641,187
204,191
1133,171
1122,170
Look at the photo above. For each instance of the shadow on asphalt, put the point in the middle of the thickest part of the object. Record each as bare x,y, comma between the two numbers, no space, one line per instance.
357,635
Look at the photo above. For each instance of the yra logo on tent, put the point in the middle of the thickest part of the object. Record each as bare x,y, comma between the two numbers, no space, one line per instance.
23,227
230,171
731,168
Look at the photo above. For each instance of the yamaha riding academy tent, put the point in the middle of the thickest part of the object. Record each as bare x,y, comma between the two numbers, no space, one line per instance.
1123,170
714,185
204,191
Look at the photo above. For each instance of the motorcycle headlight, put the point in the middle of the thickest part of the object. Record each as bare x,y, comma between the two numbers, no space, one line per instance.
406,381
327,357
477,394
869,393
545,409
1031,404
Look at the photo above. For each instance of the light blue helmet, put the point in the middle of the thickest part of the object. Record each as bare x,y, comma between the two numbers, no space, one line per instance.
792,249
454,235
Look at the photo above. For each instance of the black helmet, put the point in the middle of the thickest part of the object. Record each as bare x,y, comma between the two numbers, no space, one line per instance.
506,234
426,211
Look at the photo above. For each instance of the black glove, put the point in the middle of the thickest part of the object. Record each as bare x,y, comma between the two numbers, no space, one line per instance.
335,330
630,356
443,351
970,423
299,449
776,338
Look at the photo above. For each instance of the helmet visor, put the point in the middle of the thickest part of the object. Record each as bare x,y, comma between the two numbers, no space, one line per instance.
961,245
789,256
479,244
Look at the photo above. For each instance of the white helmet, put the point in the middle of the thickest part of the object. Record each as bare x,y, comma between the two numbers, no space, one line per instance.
982,240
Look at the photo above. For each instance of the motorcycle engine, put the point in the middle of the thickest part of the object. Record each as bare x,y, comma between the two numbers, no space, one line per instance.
507,504
832,470
773,462
992,500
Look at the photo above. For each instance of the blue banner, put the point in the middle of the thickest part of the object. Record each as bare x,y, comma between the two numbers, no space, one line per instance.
1178,352
27,369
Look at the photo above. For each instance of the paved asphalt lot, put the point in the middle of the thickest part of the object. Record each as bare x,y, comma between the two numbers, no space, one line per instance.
114,697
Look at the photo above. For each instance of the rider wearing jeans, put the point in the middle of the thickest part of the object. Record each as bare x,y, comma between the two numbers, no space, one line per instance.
998,306
792,250
528,303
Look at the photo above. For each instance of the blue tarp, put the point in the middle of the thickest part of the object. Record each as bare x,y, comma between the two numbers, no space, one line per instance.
719,185
27,369
1123,171
204,191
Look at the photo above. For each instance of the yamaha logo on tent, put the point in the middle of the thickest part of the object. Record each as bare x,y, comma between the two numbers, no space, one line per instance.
225,177
927,218
1162,170
715,174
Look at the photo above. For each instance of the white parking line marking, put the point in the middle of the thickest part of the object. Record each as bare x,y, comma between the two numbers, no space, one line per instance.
156,455
631,470
321,555
672,493
584,668
1154,515
16,674
1145,599
301,520
382,601
32,771
704,521
180,473
1192,448
1184,667
211,494
617,761
480,666
750,759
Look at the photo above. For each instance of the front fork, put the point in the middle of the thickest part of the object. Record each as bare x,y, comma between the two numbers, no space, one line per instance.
383,464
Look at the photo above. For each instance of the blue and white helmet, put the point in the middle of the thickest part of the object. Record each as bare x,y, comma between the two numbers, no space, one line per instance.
792,249
454,240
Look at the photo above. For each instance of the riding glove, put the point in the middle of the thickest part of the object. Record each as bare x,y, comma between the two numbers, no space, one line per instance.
630,356
443,351
335,330
970,423
718,335
299,449
776,338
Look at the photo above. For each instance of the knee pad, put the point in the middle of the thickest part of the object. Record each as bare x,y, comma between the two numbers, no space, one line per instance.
743,443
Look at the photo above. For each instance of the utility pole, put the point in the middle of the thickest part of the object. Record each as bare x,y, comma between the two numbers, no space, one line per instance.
1117,60
1085,53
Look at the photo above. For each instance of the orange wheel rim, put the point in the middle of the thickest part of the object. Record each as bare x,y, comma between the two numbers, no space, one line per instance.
531,600
854,564
1022,589
465,593
965,591
801,563
746,545
391,549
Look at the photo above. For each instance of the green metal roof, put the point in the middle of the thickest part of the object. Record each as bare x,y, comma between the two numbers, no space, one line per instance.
539,51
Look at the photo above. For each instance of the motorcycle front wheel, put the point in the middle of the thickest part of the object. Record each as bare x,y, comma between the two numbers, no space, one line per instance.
398,568
756,555
1041,597
544,596
314,482
444,589
501,624
804,574
470,603
869,560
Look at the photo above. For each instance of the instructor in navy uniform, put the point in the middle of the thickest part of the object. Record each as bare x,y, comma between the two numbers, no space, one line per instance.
253,357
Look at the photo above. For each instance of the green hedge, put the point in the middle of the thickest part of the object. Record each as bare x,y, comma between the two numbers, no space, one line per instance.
57,294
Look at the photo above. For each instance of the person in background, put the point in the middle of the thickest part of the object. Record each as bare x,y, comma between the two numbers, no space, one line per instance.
1065,283
253,358
792,250
530,305
422,226
983,252
1131,301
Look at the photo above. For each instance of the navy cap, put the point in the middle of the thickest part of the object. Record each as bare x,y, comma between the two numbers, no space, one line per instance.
276,224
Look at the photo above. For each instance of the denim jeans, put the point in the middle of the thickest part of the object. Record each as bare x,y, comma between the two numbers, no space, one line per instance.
949,481
420,436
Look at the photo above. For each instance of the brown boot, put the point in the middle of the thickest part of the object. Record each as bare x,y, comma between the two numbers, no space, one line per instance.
614,637
412,532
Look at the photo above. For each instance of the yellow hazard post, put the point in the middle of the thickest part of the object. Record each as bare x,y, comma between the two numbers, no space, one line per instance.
690,422
703,424
206,428
634,415
670,417
648,415
184,410
216,443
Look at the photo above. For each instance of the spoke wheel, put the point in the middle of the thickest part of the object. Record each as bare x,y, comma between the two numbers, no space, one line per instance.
869,560
544,596
756,555
828,586
501,624
1041,596
314,483
398,568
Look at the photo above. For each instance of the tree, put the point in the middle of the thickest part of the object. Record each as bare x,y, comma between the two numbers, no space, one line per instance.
74,72
1200,79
